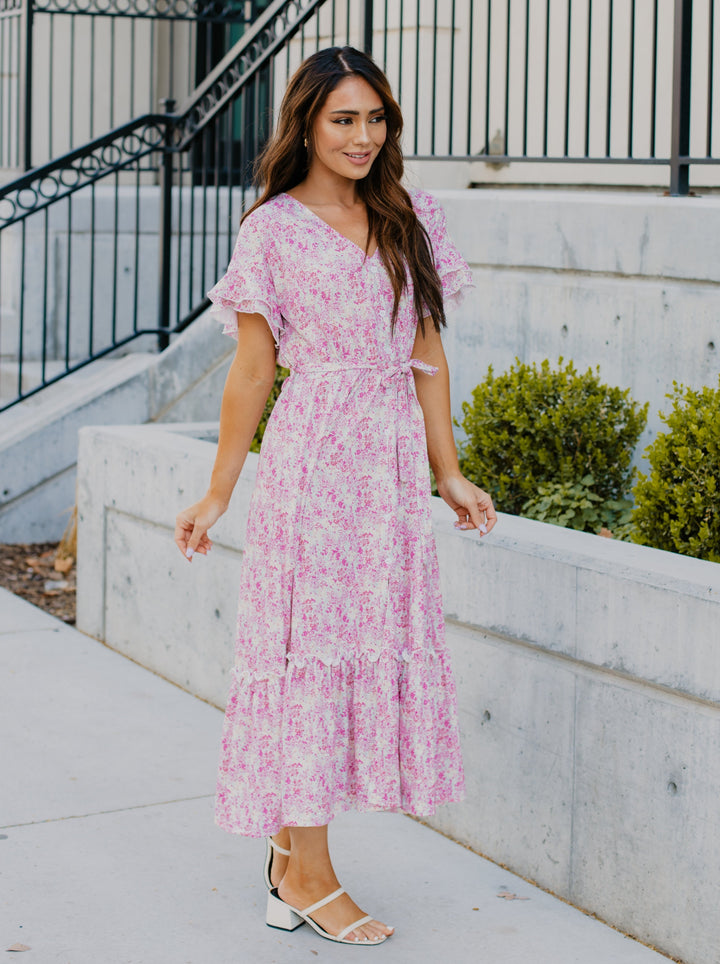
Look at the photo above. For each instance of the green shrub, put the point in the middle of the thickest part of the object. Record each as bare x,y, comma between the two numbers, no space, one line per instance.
676,505
576,505
280,375
534,425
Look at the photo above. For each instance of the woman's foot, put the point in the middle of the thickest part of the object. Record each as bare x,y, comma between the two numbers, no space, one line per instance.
279,862
335,916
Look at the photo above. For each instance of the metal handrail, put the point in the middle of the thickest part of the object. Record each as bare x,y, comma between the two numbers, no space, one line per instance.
201,154
255,49
156,135
157,132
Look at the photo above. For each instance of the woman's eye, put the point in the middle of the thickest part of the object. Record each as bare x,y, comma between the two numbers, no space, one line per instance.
380,118
342,120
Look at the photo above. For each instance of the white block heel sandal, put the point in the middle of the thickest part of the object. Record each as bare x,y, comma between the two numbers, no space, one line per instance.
271,846
287,918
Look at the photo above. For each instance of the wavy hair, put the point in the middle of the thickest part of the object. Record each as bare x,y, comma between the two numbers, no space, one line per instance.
403,242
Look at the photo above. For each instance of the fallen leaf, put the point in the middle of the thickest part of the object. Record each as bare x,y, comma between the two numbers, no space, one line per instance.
476,908
605,533
18,947
508,895
63,565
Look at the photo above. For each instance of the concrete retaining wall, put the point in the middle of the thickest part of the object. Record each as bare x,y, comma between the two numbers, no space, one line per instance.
629,282
588,677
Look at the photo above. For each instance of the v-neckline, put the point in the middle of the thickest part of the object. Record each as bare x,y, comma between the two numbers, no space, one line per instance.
330,227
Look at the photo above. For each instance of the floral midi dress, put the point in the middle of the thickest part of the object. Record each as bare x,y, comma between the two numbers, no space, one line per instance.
341,695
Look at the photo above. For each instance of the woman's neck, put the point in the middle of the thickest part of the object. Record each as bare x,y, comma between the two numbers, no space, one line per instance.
326,188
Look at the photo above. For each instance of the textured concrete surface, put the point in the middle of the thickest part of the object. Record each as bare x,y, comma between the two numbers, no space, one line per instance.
593,276
109,851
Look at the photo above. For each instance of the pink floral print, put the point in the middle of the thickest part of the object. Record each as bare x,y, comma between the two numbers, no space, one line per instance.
342,694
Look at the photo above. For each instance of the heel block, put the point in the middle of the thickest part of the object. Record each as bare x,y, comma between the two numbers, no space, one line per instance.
280,914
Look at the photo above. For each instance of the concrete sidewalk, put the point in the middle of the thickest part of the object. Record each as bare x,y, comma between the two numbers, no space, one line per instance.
109,854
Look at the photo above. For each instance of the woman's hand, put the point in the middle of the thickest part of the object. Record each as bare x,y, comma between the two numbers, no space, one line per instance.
192,524
474,507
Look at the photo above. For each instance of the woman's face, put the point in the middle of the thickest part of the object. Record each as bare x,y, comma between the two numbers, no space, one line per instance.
350,129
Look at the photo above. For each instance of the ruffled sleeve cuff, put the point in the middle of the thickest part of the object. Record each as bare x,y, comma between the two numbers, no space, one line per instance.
247,285
453,271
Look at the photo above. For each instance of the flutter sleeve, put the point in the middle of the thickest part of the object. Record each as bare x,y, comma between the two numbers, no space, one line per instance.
247,285
452,268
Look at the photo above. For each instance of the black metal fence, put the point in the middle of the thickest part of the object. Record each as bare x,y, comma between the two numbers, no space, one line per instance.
92,65
11,86
93,257
118,241
580,81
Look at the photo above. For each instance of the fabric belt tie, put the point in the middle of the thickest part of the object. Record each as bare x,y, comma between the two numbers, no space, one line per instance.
400,377
397,377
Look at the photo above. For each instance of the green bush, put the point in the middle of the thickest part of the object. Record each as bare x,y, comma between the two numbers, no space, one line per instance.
676,505
533,425
576,505
280,375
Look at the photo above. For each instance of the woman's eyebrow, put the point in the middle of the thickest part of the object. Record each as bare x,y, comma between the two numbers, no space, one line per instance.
375,110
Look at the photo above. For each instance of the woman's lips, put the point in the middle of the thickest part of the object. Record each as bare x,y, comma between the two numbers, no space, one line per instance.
359,158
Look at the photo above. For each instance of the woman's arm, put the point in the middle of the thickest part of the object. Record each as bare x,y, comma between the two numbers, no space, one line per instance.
247,387
474,507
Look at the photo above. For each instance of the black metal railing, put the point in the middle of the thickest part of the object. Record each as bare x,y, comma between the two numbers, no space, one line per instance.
11,82
116,243
92,65
602,82
564,81
94,255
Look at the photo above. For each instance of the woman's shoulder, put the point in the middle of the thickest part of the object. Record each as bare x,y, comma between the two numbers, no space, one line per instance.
425,204
430,213
263,219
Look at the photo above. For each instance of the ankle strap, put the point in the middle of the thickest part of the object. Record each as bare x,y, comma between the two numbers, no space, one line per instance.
280,850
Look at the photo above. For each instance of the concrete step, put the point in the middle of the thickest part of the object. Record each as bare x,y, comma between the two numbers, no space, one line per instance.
32,375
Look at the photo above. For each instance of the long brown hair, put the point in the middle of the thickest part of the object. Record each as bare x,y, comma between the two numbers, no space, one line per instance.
402,240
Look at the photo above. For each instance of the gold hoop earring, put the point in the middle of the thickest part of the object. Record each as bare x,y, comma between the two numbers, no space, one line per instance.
305,143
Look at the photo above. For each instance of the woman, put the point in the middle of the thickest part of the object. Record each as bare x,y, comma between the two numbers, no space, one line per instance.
342,695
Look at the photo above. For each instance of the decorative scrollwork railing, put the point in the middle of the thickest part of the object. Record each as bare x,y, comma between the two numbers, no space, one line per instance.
84,221
87,165
131,142
10,6
270,34
217,11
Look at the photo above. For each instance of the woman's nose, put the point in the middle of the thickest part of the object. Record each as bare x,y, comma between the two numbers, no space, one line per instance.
362,133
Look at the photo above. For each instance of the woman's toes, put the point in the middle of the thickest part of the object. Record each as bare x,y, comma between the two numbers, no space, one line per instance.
372,931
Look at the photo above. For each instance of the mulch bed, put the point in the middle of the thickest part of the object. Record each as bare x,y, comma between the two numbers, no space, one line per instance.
31,571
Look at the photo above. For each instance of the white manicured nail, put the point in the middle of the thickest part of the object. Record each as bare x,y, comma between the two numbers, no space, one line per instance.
190,553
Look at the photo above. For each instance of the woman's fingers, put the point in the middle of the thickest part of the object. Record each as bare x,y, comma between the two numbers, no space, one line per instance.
474,507
189,532
485,512
191,527
490,515
198,540
183,532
